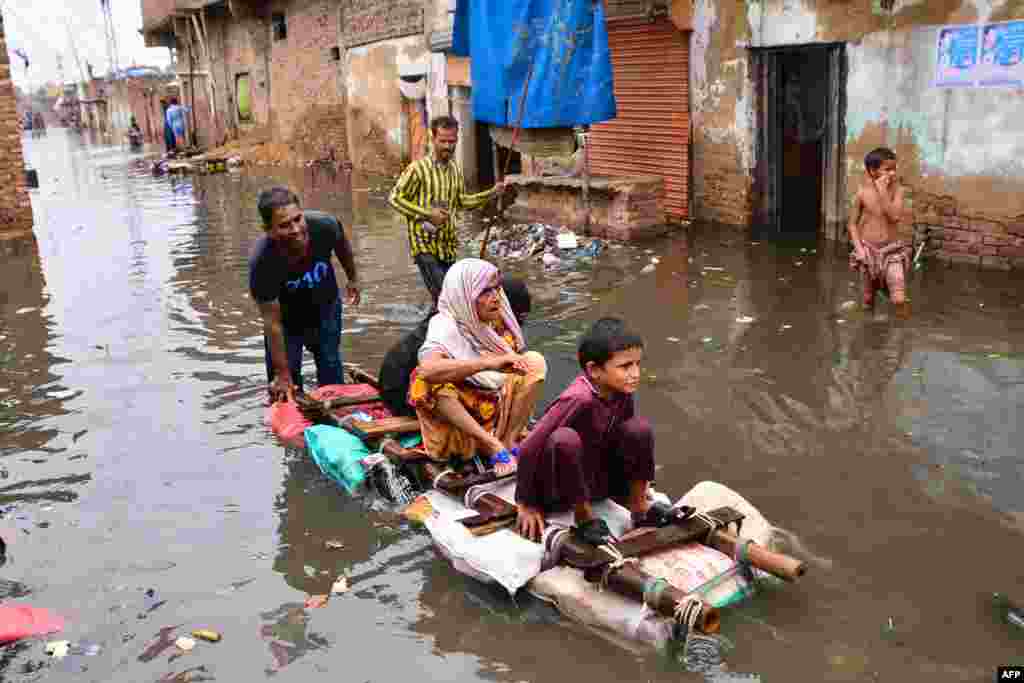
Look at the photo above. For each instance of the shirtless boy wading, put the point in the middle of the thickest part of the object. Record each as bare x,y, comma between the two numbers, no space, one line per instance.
878,253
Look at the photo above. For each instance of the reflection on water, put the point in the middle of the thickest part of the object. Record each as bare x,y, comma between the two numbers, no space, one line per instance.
135,457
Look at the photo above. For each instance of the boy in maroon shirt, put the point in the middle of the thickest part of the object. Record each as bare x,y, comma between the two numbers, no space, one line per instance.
590,444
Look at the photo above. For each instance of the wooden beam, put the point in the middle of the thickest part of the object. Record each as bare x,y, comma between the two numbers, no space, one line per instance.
199,35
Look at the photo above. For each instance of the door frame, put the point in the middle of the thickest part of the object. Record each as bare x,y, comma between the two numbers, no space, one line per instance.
768,152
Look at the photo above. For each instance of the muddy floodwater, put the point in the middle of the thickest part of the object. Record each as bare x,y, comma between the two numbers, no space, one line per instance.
141,490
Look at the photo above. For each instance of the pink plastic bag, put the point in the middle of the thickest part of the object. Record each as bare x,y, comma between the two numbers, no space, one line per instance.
288,423
21,621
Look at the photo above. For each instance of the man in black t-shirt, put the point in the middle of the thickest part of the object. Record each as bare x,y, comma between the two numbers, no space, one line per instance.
292,280
403,357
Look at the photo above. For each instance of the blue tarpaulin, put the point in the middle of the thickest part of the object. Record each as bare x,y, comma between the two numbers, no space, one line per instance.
567,42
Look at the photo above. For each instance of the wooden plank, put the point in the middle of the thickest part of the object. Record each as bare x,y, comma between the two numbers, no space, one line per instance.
387,425
584,556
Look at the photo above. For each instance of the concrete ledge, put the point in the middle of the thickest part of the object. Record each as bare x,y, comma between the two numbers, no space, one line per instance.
622,208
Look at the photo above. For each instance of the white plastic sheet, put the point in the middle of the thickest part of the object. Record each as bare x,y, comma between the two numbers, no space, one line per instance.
513,562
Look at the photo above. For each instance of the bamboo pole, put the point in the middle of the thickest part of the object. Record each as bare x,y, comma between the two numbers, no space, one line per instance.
508,159
785,567
586,183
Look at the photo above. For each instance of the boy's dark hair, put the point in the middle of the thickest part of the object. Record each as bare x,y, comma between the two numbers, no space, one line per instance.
877,156
274,198
605,338
446,122
518,296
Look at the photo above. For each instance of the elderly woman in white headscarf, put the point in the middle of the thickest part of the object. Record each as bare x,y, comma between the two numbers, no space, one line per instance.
476,385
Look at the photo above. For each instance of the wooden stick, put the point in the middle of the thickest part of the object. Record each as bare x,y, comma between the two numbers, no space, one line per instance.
457,484
491,527
362,375
630,581
347,401
785,567
508,159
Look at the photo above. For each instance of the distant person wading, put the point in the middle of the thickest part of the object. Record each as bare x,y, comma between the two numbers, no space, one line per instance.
429,194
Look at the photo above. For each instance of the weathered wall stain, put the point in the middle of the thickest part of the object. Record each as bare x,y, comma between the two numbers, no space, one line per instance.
15,206
376,125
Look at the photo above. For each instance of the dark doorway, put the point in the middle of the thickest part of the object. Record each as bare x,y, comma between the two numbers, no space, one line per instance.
492,160
484,156
801,133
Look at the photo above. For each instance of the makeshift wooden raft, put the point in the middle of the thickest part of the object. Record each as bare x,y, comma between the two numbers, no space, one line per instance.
612,566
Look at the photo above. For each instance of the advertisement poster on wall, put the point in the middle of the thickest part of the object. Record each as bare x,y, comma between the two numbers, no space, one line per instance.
957,56
1002,55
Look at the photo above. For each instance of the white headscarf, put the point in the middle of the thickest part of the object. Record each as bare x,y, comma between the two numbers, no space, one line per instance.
457,331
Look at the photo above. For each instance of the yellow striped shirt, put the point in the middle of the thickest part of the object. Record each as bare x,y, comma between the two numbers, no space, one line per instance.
424,183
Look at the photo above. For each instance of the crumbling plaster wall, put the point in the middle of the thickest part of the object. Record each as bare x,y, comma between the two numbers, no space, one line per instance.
376,125
964,145
240,44
306,98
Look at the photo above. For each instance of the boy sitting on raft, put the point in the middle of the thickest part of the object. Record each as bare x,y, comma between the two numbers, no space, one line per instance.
590,444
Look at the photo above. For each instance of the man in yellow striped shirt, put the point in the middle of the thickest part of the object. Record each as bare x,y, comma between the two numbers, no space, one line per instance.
429,194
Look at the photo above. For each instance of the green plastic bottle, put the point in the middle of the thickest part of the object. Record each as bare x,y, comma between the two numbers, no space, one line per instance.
1008,612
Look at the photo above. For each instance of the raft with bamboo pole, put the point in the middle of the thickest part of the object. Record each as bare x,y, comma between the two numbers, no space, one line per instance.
615,567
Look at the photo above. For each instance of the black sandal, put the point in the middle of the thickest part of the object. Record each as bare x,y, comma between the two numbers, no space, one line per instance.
593,531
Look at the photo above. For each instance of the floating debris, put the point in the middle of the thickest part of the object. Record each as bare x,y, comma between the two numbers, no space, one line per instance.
334,545
744,319
649,268
58,649
340,586
316,601
184,643
206,634
673,339
567,240
702,307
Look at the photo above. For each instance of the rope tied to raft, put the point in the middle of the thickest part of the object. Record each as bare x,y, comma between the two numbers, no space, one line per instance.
688,612
741,556
702,653
618,562
713,525
441,476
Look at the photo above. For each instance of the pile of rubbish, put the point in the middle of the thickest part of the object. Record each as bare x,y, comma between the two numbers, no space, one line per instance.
199,164
551,244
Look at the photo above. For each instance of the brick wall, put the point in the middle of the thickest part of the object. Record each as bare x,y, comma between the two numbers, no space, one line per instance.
308,105
156,11
293,83
15,207
138,97
962,238
722,190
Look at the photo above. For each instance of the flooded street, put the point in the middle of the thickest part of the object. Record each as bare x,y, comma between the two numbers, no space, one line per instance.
135,455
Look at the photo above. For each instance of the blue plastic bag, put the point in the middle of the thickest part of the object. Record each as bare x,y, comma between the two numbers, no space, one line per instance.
337,453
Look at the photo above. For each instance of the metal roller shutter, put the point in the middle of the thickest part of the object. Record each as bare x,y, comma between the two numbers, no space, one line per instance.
651,134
